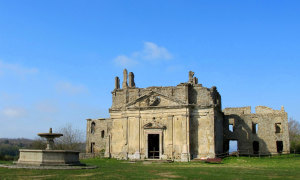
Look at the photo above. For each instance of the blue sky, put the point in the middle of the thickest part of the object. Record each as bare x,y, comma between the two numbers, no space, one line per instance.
58,59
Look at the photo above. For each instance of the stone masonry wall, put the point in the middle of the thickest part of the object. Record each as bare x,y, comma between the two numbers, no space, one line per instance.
98,136
260,127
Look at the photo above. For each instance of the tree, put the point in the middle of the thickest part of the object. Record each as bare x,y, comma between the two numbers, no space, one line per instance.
38,143
72,139
294,134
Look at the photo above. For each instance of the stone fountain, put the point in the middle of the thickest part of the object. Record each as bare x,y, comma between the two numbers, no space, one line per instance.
49,156
50,138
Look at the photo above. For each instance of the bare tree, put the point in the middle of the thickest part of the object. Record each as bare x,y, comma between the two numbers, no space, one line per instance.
38,143
294,134
72,139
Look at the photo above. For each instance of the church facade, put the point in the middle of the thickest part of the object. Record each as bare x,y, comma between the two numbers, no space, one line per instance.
181,123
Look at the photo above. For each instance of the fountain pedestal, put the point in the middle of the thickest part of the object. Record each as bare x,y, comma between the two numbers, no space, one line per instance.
48,157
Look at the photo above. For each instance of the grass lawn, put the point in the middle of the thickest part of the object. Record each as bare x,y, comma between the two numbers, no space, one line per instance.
278,167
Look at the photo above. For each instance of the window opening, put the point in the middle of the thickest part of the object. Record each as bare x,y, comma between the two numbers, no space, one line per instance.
231,124
254,128
255,147
102,134
93,127
278,128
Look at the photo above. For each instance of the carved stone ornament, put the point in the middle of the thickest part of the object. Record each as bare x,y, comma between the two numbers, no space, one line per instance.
153,100
154,125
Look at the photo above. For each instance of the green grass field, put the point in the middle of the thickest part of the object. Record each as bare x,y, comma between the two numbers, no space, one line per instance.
278,167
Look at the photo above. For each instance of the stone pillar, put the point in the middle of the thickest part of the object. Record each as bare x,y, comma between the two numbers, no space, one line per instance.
184,154
50,144
124,84
195,80
117,82
191,75
131,80
107,147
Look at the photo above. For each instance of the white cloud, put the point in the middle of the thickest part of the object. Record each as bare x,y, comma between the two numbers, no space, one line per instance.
124,61
151,51
16,69
69,88
11,112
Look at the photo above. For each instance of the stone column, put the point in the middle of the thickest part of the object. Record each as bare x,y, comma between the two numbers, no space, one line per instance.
195,80
131,80
50,144
124,84
191,75
117,82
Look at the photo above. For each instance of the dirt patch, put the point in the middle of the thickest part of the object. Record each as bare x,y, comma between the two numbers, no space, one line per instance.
147,162
168,175
42,176
85,175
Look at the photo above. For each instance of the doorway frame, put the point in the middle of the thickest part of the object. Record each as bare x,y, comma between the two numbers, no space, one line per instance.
154,131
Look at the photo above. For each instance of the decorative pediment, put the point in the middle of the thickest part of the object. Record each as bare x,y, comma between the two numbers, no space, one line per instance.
154,125
153,99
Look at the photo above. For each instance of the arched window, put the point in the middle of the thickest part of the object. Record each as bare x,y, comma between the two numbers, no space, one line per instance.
102,134
93,127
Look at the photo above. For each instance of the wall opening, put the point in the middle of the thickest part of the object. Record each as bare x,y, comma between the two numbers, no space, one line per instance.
93,127
231,124
92,150
230,127
278,128
233,146
254,128
279,145
255,147
102,134
153,146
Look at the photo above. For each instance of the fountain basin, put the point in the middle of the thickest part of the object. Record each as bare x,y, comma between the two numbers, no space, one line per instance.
48,157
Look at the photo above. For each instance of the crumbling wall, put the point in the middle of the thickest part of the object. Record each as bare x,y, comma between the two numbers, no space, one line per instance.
260,128
218,131
188,93
97,136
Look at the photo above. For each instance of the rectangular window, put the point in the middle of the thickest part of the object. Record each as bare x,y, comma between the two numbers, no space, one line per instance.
93,127
254,128
231,124
102,134
278,128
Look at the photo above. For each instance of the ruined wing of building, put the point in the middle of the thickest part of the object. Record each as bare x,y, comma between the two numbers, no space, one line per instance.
181,123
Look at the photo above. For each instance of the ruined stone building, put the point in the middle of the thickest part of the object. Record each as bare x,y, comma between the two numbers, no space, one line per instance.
181,123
